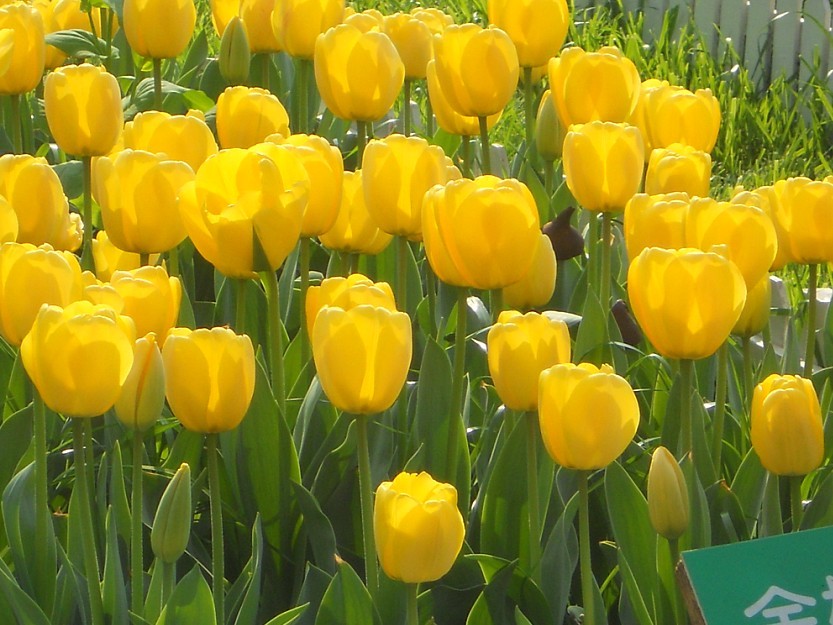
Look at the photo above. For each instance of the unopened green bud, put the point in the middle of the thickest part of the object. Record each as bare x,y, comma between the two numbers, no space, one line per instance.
172,523
235,56
667,495
143,394
549,132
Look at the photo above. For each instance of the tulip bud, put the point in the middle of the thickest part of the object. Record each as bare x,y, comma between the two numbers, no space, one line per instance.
628,328
143,394
755,315
667,495
549,132
567,242
235,56
172,523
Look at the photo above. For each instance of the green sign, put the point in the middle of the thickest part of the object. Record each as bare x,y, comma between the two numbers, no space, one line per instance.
783,580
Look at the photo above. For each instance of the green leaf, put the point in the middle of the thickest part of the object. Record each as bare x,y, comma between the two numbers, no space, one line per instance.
248,610
25,609
71,175
114,591
79,44
634,595
748,486
346,600
290,616
820,511
560,560
191,602
319,529
118,496
430,430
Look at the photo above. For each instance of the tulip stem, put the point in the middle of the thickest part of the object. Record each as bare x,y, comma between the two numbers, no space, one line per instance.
144,259
275,330
302,304
457,385
240,306
485,145
532,490
88,539
413,608
168,579
529,118
431,288
87,260
809,355
496,296
361,142
685,406
173,262
42,513
17,122
796,501
604,283
303,94
136,555
402,273
264,70
748,376
720,404
157,84
406,108
680,616
549,175
584,551
366,490
217,553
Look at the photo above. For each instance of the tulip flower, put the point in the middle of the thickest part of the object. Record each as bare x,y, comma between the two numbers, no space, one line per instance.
28,53
142,20
257,14
138,194
368,21
79,357
235,57
480,233
447,118
536,27
143,394
235,197
184,138
593,86
549,133
670,294
247,115
109,258
787,432
804,214
655,221
347,293
537,286
221,13
668,505
768,199
171,528
436,19
358,74
678,168
418,528
151,298
670,114
9,226
755,315
520,347
29,278
355,231
362,356
413,39
297,23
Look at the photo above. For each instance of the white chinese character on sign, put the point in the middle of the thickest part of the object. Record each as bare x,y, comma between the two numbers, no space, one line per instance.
828,594
784,613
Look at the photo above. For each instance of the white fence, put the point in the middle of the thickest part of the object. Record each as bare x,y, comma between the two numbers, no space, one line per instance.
771,37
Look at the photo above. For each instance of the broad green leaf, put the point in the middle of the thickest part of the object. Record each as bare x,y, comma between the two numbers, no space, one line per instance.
78,43
290,616
316,583
191,602
71,175
346,600
319,529
118,496
251,600
560,560
820,511
26,611
727,520
748,485
638,602
114,592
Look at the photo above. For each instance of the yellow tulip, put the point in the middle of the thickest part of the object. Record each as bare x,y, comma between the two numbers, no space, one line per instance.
672,297
9,226
28,52
247,115
805,213
109,258
655,221
787,431
368,21
436,19
151,298
519,348
477,69
362,356
537,286
418,528
593,86
536,27
236,196
35,193
413,40
603,164
184,138
209,377
358,74
755,315
83,109
672,114
297,23
146,36
549,132
78,357
346,293
588,415
29,278
221,13
768,199
447,118
67,15
354,230
397,172
257,14
638,115
746,231
235,57
678,168
481,233
138,194
174,517
668,505
101,293
143,395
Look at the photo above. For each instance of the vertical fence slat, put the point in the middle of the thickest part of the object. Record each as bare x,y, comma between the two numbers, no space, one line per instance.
654,15
632,5
683,14
733,15
707,19
756,57
815,42
785,34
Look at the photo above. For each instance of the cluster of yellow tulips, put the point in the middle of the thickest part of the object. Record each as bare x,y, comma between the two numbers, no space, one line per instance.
106,324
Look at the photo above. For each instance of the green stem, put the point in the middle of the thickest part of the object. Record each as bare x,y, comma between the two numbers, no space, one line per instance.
353,264
431,287
87,537
532,490
366,492
144,259
429,119
136,554
173,262
680,616
275,330
465,156
302,304
457,385
17,125
402,273
529,118
748,376
406,108
361,142
264,70
157,84
771,519
107,27
549,176
168,579
686,368
796,501
413,609
87,260
303,94
604,284
496,296
43,514
810,354
217,552
720,404
587,598
240,306
486,146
